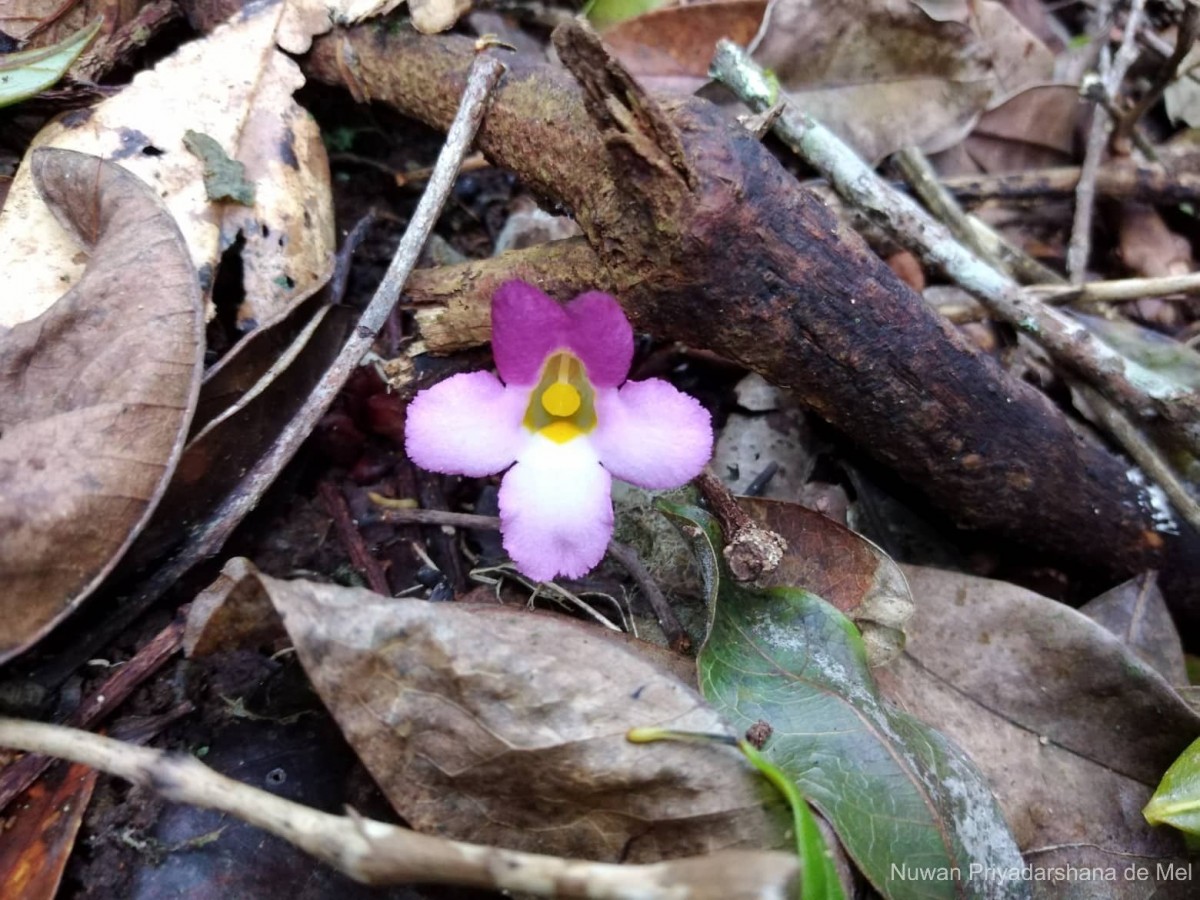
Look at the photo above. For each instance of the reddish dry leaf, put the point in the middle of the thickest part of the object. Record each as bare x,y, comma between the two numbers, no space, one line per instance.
669,49
40,834
843,568
95,395
505,727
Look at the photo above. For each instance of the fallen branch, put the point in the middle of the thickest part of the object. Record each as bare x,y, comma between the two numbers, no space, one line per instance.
1127,383
706,239
376,852
1118,179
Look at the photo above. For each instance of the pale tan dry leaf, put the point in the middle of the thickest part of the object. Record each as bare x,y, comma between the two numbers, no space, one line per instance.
235,87
432,16
883,75
1034,692
95,395
505,727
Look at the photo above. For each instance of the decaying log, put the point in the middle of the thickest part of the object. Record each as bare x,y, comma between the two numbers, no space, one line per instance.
705,238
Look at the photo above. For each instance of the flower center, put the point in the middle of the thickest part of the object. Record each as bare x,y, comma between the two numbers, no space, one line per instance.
560,399
561,406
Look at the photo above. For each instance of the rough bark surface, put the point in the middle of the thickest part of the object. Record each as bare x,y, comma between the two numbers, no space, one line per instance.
705,238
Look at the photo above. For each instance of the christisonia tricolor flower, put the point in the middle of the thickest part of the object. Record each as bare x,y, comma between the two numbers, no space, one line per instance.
563,417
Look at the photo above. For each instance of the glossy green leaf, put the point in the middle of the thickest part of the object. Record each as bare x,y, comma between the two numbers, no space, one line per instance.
603,13
1177,800
29,72
910,808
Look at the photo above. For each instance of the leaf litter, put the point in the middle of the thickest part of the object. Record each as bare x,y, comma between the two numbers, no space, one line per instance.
1024,689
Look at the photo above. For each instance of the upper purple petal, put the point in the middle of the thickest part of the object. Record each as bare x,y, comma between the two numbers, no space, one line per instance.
651,434
466,425
528,325
602,337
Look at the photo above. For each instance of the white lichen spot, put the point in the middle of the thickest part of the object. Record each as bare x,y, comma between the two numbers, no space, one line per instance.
1153,501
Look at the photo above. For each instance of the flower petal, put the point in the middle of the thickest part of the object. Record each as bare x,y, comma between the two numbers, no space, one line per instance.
527,326
466,425
652,435
555,509
601,336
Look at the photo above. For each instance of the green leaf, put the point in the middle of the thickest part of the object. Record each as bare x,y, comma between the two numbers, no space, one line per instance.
910,808
1177,800
604,13
29,72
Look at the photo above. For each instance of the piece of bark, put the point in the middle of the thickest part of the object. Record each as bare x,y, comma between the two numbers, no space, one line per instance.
705,238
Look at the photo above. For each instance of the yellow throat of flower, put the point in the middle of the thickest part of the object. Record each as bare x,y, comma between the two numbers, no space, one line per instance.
562,405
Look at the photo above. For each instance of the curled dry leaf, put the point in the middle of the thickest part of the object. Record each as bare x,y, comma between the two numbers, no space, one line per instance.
504,727
883,74
239,94
1034,692
216,457
95,395
841,567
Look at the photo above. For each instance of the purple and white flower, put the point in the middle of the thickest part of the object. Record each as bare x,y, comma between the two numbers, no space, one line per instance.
563,417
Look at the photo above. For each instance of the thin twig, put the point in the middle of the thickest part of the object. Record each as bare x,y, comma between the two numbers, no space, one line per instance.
360,555
1112,73
96,706
376,852
992,247
1119,179
750,549
1127,383
1144,453
1117,290
394,516
1189,30
485,72
677,637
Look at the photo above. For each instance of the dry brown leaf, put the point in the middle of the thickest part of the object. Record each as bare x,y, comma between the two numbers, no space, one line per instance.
19,19
238,89
1148,246
232,613
95,395
1036,129
883,74
504,727
1034,692
843,568
1136,612
668,50
216,458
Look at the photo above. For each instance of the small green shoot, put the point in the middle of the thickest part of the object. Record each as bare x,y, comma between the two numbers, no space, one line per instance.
818,875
